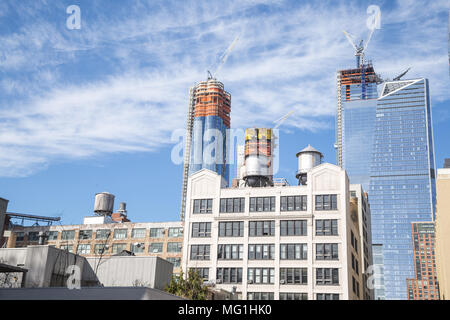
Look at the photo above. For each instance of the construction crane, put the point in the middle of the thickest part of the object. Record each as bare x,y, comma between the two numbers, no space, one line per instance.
280,121
401,74
360,49
359,53
223,58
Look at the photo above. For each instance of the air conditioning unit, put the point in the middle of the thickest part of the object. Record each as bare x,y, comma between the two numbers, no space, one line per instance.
218,281
249,281
282,281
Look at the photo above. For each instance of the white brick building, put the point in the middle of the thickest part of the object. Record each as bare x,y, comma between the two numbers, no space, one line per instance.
281,242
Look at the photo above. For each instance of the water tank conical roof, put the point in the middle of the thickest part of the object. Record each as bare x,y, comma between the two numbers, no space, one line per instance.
309,149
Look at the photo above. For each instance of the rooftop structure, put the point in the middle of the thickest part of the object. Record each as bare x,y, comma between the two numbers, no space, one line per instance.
447,163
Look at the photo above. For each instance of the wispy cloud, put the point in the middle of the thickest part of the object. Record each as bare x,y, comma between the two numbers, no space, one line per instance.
120,84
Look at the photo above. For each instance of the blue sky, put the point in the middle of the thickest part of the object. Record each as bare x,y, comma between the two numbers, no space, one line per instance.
91,110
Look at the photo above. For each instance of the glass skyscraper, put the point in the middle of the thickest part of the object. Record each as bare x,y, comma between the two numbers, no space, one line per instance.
357,101
402,177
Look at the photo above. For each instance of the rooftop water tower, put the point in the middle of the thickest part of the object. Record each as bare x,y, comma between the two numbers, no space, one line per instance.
104,204
258,157
308,158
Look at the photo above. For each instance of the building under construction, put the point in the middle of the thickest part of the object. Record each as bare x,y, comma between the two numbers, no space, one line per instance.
208,119
356,105
258,170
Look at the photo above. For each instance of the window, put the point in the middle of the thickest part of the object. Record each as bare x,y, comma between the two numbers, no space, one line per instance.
85,235
155,247
355,286
138,247
118,247
355,264
202,272
232,205
138,233
260,296
294,251
293,276
200,252
262,204
293,227
102,234
230,251
326,202
156,232
327,296
293,296
52,235
354,241
175,232
326,227
327,276
327,251
261,251
229,275
20,236
261,228
231,229
100,249
175,261
68,235
261,275
33,236
293,203
174,247
120,233
201,229
67,247
84,248
203,206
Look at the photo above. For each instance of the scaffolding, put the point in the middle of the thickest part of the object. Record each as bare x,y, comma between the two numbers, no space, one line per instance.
187,150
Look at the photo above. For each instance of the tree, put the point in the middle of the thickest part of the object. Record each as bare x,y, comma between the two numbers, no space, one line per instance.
191,288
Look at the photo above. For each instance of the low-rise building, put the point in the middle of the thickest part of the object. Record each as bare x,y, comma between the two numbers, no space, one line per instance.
41,266
45,266
161,239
